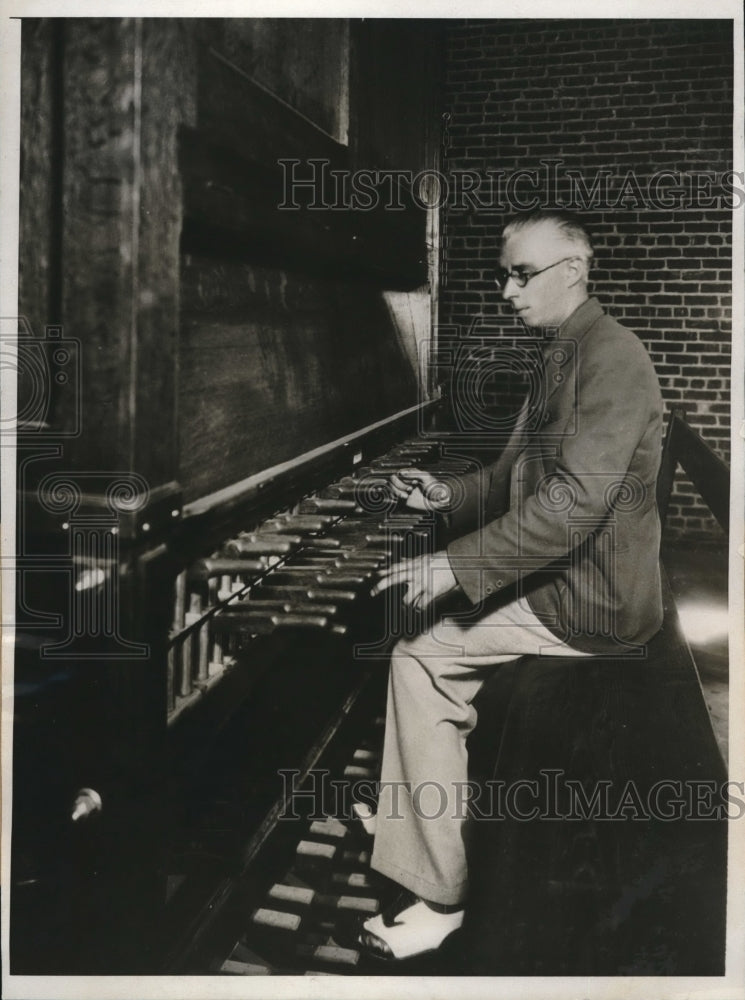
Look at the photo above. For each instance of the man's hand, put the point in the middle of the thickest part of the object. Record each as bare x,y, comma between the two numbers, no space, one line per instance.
420,489
426,578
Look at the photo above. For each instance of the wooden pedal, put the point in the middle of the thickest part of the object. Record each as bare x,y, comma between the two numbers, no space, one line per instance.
356,771
331,954
353,880
361,858
277,919
315,850
329,828
231,967
309,897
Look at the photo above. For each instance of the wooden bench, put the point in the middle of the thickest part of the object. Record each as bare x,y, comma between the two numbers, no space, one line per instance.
634,893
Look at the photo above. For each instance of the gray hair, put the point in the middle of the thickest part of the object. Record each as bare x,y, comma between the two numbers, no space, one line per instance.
569,226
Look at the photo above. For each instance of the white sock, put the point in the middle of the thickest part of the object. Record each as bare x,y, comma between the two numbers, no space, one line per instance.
366,816
416,930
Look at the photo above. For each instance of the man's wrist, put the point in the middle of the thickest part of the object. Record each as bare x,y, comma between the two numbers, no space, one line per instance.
439,496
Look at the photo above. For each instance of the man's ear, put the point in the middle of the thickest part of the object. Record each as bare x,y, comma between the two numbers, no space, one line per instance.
577,271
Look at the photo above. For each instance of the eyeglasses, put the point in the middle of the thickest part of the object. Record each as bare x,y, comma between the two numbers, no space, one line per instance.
520,277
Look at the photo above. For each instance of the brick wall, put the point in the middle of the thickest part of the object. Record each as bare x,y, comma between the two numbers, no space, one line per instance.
609,103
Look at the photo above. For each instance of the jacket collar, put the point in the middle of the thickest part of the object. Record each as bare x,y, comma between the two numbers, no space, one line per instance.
577,325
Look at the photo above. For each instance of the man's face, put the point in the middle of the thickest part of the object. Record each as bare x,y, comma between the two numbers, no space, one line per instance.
546,299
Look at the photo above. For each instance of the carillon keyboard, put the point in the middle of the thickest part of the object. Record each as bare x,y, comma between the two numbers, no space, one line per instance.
307,568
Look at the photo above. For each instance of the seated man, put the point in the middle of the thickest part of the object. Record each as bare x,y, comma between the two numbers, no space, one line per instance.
570,567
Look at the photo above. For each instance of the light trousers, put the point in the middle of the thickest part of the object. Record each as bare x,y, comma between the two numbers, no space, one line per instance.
434,678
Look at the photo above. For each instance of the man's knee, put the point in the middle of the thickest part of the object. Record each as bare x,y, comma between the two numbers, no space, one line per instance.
408,653
422,644
428,650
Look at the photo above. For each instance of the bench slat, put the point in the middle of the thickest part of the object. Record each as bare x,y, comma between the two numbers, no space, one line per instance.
705,469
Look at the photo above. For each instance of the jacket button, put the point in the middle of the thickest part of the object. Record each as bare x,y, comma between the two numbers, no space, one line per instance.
499,583
489,588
